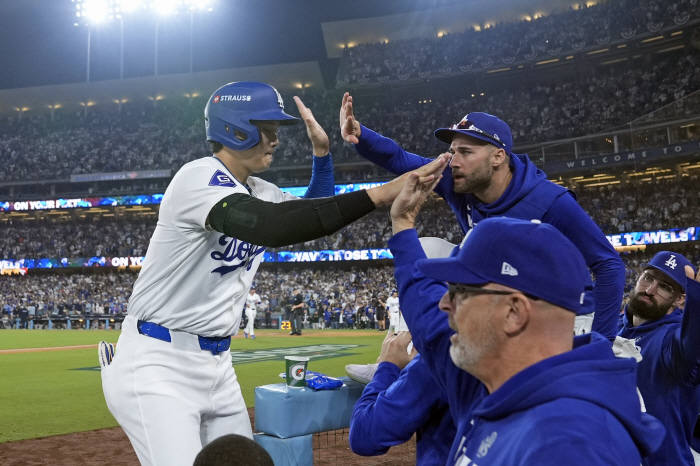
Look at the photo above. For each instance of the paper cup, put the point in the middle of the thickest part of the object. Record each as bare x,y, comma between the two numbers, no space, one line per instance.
296,370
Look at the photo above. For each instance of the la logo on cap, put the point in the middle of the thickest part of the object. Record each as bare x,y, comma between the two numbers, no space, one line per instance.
671,262
507,269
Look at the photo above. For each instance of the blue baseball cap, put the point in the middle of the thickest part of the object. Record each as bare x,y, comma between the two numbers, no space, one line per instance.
672,264
482,126
532,257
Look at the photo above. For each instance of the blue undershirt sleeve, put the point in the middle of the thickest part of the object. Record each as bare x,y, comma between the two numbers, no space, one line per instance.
569,218
322,182
681,355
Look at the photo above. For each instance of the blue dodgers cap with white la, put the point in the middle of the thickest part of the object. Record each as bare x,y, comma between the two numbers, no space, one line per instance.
481,126
672,264
532,257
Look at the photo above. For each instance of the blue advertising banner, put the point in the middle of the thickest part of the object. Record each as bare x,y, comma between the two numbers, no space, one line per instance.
638,238
328,255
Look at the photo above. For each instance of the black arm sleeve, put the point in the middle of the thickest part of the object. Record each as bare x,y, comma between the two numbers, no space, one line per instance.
279,224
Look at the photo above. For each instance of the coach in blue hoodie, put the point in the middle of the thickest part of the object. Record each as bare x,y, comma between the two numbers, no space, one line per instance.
488,180
669,341
521,389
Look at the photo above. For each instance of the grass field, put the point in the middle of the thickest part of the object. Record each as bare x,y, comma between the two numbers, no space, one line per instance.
52,392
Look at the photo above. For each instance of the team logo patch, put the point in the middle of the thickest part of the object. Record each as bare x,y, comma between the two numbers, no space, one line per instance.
222,179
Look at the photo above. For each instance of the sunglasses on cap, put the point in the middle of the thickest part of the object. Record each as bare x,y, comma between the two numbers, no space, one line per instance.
466,125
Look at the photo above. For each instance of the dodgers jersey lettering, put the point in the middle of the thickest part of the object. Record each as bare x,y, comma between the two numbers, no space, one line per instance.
193,277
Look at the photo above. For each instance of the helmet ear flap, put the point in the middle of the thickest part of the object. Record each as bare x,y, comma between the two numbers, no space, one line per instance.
241,136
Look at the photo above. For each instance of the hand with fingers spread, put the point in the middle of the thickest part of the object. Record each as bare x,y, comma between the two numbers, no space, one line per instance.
319,138
395,349
349,127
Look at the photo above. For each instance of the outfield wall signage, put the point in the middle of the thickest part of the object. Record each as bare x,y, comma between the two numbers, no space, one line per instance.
640,238
623,158
328,255
84,203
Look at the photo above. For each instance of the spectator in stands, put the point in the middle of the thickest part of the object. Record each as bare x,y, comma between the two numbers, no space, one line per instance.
663,319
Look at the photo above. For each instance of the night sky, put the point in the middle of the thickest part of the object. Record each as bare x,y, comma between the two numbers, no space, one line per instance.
39,45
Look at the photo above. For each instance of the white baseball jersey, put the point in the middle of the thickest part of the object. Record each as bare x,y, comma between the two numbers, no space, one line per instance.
251,301
392,305
196,279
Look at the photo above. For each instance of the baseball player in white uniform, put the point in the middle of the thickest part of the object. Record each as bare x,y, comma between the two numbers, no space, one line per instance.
251,310
392,306
171,384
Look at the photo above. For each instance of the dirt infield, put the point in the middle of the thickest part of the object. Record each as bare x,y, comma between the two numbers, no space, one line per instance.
111,447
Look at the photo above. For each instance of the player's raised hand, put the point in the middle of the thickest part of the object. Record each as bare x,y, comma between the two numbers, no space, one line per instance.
349,127
413,194
319,138
691,274
395,349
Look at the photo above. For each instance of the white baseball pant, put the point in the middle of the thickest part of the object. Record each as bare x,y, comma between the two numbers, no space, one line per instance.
250,313
172,399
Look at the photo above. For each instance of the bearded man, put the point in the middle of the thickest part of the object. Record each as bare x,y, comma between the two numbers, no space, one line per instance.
663,319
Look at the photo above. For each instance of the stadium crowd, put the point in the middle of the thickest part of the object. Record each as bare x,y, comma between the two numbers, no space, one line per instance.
169,135
647,206
507,43
334,298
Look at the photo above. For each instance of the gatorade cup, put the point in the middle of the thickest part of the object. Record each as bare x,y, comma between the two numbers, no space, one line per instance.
296,370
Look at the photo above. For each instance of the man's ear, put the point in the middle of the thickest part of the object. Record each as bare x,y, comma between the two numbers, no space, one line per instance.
517,315
679,301
499,157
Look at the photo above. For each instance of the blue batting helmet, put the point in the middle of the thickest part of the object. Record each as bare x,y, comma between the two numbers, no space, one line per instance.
231,110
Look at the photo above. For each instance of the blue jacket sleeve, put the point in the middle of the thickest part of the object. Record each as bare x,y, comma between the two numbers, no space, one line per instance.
569,218
322,182
429,328
681,351
390,156
392,408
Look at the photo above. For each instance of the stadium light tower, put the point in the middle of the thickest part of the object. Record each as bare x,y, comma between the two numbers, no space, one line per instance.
92,12
194,6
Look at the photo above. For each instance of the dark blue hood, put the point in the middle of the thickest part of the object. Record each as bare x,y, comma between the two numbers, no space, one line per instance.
569,375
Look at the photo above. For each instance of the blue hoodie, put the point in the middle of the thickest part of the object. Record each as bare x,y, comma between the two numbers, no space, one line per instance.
577,408
528,196
669,375
394,406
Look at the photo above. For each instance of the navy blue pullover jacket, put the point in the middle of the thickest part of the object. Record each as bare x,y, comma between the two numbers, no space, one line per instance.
394,406
528,196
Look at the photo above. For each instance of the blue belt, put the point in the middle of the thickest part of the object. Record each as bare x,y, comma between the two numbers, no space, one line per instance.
213,344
